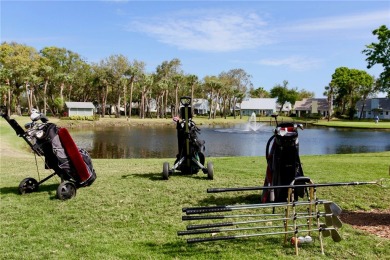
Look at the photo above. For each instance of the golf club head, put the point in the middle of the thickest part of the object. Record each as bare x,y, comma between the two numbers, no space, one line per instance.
325,232
336,210
332,220
336,222
335,235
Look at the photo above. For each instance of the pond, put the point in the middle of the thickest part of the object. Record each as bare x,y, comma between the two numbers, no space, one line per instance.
239,140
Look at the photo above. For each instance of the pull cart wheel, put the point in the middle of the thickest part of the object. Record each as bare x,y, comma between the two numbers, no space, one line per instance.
210,171
165,171
66,190
28,185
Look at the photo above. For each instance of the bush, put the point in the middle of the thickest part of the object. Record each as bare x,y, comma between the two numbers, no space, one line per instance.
86,118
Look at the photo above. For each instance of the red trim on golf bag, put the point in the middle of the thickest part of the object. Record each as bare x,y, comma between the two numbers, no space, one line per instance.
74,155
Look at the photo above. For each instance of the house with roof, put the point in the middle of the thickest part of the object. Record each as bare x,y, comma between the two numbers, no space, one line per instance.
80,108
200,106
312,106
373,107
259,106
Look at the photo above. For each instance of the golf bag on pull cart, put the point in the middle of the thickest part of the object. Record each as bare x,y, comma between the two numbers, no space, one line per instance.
190,158
283,162
72,165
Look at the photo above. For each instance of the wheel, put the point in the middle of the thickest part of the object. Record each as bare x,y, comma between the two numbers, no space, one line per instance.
28,185
66,190
210,171
165,172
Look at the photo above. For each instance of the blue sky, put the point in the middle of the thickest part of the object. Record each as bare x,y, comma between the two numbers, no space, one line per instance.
302,42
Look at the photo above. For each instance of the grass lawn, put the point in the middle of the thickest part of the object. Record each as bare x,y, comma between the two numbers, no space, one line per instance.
131,213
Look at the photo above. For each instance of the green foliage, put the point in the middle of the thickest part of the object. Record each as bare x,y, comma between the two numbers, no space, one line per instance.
85,118
379,53
283,94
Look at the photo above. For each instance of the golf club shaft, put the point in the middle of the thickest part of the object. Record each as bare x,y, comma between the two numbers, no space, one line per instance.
225,224
216,190
218,230
201,210
237,216
205,239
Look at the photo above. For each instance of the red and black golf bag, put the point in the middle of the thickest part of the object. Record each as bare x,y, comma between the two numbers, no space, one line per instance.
283,163
71,164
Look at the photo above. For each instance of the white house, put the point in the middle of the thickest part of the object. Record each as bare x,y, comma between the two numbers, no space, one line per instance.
80,108
259,106
200,106
374,107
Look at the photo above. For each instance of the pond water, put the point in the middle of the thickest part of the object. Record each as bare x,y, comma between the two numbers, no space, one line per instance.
239,140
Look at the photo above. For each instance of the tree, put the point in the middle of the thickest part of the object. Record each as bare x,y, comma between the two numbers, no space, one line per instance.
303,93
18,64
349,86
283,94
260,92
379,53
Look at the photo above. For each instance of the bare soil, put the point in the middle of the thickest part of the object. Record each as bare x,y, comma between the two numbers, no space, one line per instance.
376,222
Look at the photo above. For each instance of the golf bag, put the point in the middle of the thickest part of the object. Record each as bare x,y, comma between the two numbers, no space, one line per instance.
72,165
196,146
190,158
283,163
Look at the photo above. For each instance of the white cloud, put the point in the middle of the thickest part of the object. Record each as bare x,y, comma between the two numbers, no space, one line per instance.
297,63
217,32
355,21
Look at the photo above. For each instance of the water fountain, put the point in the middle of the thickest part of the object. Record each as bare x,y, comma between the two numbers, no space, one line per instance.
252,124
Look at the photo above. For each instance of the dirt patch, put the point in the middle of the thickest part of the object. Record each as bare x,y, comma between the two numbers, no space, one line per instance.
376,222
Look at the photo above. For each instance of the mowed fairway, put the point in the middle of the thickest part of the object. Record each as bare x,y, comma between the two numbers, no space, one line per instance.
131,213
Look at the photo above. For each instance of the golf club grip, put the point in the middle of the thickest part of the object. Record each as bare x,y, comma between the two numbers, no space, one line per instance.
205,239
211,225
202,217
197,231
201,211
200,208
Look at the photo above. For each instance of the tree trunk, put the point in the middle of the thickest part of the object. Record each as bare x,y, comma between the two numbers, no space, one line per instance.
131,97
166,104
176,99
124,99
118,108
44,96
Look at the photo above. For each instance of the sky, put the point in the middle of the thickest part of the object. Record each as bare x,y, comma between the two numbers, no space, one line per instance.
302,42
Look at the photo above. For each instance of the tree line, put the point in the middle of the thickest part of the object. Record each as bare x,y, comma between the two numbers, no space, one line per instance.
45,79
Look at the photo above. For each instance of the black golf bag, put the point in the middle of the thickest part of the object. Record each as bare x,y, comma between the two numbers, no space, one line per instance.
190,158
72,165
283,163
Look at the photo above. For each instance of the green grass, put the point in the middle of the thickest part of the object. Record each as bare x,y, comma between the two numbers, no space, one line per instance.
131,213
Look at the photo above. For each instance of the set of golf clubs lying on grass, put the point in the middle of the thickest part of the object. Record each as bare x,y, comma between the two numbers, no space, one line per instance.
323,223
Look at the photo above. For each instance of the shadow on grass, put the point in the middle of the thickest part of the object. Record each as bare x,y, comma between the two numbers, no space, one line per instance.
242,199
42,188
158,176
200,250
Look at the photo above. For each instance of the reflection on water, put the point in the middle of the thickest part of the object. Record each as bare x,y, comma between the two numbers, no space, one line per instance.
238,140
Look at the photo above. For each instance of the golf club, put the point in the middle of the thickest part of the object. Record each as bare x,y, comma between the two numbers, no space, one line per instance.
335,236
201,210
382,182
225,224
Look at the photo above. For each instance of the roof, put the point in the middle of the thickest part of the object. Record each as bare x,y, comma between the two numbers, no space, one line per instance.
375,103
79,105
306,103
259,103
